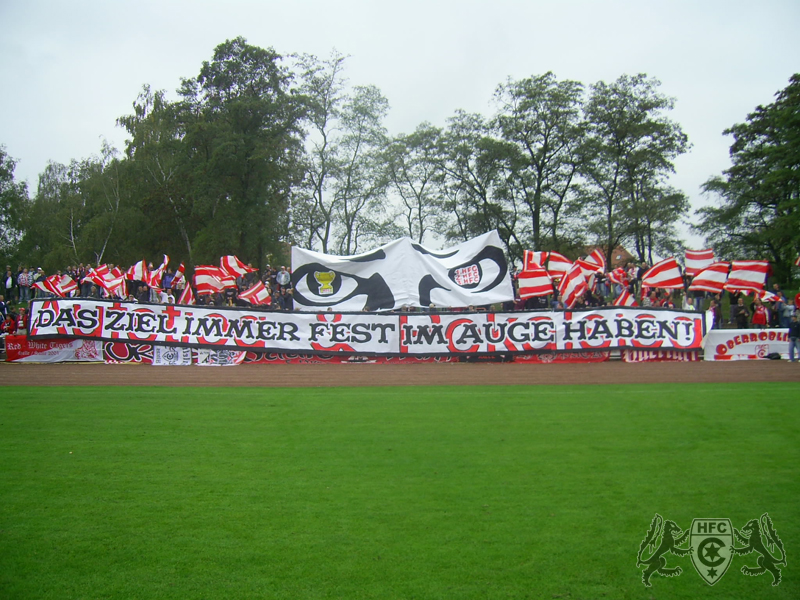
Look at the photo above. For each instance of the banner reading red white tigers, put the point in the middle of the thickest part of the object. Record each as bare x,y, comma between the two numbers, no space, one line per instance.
367,333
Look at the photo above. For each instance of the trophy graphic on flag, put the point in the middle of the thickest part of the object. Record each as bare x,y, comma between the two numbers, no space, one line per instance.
325,279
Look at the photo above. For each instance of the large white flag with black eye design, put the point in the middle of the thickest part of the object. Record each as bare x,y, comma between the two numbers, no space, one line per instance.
473,273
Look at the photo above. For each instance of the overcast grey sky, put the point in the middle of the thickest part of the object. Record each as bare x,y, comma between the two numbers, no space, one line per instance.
69,69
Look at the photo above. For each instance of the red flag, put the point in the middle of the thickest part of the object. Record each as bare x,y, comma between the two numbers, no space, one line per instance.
797,262
49,285
257,295
711,279
154,278
747,275
618,276
187,297
533,260
766,296
597,259
233,266
697,260
558,265
534,282
138,272
179,274
665,274
625,299
208,279
110,280
67,285
572,285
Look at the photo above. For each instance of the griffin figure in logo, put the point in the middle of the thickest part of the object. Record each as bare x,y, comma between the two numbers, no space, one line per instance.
671,537
753,534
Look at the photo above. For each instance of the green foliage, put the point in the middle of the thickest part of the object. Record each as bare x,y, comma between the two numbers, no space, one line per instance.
341,204
757,214
13,205
541,117
626,157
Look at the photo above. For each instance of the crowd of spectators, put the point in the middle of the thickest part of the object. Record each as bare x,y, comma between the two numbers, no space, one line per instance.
745,311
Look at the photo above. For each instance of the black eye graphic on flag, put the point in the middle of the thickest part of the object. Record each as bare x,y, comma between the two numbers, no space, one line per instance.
485,271
319,285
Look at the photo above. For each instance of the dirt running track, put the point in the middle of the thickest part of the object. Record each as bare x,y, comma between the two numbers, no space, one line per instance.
283,375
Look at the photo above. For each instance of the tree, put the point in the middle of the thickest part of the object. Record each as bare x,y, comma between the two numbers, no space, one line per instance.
244,143
475,165
627,154
541,117
340,204
13,204
159,159
758,198
415,178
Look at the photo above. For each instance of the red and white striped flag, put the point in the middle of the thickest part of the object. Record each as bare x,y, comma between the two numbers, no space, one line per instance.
179,274
154,278
187,297
618,276
697,260
747,275
533,260
625,299
572,285
534,282
257,295
111,280
138,272
597,258
767,296
208,279
233,266
665,274
67,285
558,265
711,279
589,272
797,262
58,286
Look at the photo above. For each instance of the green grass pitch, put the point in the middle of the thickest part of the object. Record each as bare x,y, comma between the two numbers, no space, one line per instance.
413,492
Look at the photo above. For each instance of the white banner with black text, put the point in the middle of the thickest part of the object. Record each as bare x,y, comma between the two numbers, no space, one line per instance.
413,333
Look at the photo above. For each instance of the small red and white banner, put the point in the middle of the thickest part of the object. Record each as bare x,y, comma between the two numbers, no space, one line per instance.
745,344
637,356
697,260
21,349
665,275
